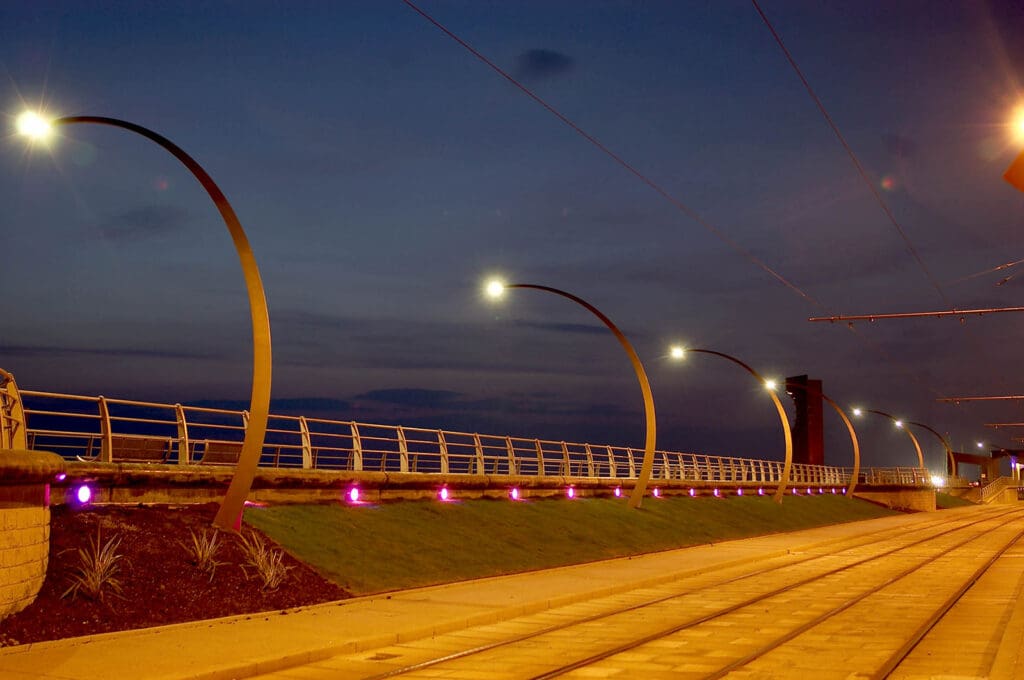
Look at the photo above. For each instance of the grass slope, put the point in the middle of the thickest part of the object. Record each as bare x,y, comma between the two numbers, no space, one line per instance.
375,548
944,501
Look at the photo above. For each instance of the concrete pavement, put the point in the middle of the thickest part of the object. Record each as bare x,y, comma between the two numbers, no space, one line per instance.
248,645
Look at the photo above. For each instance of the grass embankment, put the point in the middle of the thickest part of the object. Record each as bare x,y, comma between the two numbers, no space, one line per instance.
375,548
944,501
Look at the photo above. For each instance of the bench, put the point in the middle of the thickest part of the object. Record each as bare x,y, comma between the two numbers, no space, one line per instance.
220,452
139,449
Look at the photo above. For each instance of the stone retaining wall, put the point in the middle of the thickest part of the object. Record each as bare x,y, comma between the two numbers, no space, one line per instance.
24,525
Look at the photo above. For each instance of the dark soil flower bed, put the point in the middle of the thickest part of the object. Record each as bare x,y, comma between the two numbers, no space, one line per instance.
159,584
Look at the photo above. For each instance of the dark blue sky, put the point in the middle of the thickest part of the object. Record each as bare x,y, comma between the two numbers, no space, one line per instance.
382,173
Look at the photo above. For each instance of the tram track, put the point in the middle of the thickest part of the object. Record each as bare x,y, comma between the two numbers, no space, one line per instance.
931,532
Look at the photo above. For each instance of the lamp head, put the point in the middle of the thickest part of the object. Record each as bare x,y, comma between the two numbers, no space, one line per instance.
898,423
34,126
494,288
677,352
1017,125
981,445
770,385
858,412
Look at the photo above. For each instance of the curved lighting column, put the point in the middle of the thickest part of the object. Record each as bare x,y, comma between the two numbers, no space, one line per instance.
229,515
495,288
853,439
899,423
788,465
945,445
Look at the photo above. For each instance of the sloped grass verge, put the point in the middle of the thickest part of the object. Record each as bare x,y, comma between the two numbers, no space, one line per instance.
945,501
375,548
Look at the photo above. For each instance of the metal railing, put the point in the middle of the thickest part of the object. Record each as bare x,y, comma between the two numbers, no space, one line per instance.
120,430
990,491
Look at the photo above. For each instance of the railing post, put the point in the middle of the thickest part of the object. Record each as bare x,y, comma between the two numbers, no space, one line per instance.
307,444
540,457
12,414
245,420
403,450
107,439
357,449
632,463
591,472
566,464
513,465
665,474
478,448
184,451
612,467
442,447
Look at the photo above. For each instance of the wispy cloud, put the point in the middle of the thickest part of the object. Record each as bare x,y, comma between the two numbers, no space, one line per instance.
585,328
537,64
143,222
133,352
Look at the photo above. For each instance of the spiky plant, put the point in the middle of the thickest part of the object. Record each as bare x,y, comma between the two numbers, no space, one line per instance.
203,551
267,563
97,569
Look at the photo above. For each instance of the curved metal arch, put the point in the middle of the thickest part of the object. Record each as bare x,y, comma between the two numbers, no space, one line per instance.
229,515
913,438
853,437
787,467
637,495
945,445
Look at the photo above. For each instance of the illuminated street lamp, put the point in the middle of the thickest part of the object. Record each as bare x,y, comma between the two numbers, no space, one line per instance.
229,515
496,289
1015,173
950,460
899,424
678,353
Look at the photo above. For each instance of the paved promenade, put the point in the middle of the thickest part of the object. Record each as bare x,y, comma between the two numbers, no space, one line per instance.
251,645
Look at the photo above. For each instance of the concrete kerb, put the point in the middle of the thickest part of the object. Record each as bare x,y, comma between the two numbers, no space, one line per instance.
288,658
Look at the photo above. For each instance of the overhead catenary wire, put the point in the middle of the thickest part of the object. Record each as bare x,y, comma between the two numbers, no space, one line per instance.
853,157
664,193
661,191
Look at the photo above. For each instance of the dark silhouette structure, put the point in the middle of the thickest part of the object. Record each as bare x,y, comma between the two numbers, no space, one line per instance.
808,428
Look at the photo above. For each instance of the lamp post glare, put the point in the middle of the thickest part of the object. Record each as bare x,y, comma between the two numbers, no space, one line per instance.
34,126
981,445
1017,125
677,352
770,385
858,412
494,288
898,423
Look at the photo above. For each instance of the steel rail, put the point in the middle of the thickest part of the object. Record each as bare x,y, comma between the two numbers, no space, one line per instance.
903,652
821,618
849,544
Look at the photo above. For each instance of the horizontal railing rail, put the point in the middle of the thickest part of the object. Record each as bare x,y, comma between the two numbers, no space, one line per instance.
120,430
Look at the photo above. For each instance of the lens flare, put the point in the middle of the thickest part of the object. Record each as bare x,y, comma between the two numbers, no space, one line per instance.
495,288
30,124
